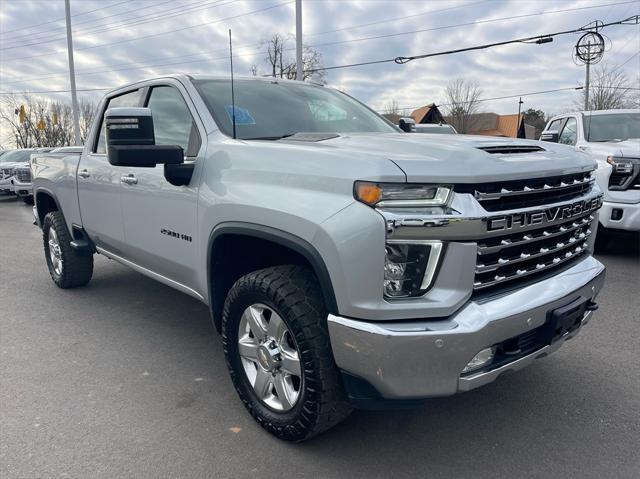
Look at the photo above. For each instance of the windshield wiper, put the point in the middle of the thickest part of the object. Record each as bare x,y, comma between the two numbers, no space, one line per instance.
612,140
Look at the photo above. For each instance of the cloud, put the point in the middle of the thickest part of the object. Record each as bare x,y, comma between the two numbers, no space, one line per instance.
118,42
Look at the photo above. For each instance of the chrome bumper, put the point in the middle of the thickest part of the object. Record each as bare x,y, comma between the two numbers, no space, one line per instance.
425,358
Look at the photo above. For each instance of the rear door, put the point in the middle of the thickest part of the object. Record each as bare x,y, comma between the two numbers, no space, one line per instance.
160,219
99,185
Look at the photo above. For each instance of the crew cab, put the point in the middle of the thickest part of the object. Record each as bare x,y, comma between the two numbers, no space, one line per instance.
344,262
612,137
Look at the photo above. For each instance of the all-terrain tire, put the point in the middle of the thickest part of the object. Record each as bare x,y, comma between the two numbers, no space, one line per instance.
76,269
293,293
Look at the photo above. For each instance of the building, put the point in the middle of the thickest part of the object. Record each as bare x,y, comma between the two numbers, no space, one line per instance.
427,114
492,124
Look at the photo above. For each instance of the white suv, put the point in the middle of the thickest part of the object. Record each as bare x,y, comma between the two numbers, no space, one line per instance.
612,137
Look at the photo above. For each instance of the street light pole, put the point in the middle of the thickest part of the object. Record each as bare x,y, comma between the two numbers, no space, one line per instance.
72,75
299,40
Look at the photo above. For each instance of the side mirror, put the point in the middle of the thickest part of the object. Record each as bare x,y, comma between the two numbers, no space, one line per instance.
551,135
407,124
131,141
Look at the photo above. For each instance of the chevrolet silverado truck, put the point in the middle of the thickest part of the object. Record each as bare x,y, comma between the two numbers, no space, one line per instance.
345,263
612,138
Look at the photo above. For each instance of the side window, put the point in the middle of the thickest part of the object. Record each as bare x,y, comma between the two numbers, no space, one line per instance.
555,125
172,120
568,135
128,99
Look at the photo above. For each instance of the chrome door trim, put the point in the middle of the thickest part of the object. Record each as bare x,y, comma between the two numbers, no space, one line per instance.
152,274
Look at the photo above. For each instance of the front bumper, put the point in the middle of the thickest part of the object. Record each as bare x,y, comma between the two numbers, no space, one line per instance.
20,188
629,219
425,358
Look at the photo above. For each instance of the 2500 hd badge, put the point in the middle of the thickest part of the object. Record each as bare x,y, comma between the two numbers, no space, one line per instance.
545,216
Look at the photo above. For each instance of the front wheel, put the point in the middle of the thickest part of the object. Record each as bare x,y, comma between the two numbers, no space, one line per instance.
278,353
67,268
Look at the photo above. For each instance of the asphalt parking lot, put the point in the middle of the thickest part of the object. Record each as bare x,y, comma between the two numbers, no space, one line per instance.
126,378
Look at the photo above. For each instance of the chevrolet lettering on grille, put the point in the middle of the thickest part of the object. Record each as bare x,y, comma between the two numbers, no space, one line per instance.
544,216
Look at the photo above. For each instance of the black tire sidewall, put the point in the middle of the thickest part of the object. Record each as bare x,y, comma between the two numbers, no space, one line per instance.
260,410
47,225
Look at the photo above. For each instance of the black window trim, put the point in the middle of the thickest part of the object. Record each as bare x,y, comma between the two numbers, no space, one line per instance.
146,95
564,124
106,102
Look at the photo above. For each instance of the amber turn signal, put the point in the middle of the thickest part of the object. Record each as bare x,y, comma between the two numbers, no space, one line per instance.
368,193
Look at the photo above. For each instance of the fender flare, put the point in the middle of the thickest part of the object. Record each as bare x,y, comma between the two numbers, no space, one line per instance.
283,238
53,197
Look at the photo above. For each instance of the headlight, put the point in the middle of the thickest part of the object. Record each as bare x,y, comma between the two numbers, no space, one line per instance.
410,266
620,165
399,195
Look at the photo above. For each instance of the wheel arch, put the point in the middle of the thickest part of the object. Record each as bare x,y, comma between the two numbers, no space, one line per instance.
285,248
46,202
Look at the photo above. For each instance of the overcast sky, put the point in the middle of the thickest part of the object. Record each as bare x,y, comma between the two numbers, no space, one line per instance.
118,42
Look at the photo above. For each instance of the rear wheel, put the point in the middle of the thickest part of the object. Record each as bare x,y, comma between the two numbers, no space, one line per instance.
67,268
278,353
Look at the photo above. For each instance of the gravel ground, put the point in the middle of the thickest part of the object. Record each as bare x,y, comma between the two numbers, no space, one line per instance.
126,378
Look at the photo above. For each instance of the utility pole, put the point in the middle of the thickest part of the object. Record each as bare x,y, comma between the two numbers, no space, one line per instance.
299,40
586,80
520,102
72,75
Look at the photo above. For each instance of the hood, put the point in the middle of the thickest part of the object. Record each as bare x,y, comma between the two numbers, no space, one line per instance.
459,158
628,148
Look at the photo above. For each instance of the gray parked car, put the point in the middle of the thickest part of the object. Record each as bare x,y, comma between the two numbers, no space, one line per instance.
344,262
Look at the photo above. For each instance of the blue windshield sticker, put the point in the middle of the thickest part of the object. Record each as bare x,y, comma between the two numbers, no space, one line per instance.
243,117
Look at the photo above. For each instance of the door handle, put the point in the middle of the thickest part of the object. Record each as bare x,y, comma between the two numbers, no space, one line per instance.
130,179
84,174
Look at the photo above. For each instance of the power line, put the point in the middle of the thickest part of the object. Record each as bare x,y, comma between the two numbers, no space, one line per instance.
544,38
62,19
160,33
50,34
120,24
466,24
426,12
504,97
367,38
51,91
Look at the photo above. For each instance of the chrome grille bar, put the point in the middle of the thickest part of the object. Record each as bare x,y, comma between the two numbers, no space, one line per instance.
504,192
581,237
536,235
555,261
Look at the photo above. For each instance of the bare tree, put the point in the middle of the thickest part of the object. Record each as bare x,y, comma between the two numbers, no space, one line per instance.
282,65
29,122
392,108
462,103
610,89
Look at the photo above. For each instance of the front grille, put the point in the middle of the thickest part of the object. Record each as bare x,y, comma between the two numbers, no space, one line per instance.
23,175
504,259
508,195
511,149
6,172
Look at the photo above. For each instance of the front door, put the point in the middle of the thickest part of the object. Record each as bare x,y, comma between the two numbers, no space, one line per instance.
99,186
160,219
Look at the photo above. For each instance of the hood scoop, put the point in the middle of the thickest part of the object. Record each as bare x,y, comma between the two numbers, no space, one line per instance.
511,149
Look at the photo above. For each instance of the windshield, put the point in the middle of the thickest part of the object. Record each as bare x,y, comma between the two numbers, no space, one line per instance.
272,110
616,126
17,156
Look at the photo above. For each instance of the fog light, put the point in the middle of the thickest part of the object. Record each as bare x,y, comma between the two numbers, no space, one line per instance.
481,359
410,267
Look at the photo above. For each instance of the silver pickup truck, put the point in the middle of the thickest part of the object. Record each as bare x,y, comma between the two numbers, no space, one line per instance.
344,262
